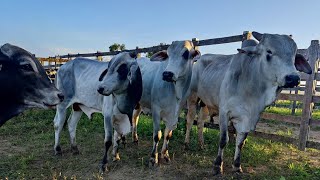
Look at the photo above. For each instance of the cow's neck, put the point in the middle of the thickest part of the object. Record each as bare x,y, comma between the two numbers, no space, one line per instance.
8,111
181,86
248,75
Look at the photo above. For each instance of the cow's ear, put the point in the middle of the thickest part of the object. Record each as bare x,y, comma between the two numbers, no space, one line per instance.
103,74
195,54
302,65
133,55
7,49
257,35
159,56
251,50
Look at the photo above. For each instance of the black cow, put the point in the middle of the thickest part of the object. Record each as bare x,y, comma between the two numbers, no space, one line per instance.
23,83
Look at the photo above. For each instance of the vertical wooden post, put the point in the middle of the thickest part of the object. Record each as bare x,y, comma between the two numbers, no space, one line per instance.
294,103
313,56
138,54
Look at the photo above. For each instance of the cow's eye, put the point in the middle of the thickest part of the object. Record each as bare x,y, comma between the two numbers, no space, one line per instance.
185,55
123,71
269,55
27,67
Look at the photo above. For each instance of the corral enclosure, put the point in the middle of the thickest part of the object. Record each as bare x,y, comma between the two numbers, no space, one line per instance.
27,140
305,94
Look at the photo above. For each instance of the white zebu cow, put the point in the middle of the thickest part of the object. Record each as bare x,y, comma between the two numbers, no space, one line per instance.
112,89
238,87
164,90
205,112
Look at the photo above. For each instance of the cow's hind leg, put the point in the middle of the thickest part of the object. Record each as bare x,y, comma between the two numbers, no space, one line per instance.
135,119
192,103
240,140
156,138
116,140
107,142
224,138
164,151
203,115
58,121
72,126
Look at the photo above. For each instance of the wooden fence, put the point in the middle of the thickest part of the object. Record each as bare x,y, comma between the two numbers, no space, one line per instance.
306,95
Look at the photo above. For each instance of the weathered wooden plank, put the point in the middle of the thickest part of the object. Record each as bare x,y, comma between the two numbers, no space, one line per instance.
287,118
315,122
313,52
291,97
316,99
272,137
205,42
303,52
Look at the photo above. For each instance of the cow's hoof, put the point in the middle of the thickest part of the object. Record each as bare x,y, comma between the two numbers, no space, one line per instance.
201,146
217,170
153,162
186,146
57,151
237,170
75,150
103,168
116,157
165,160
136,142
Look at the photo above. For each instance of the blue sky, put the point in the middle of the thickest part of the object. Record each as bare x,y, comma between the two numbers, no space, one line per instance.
49,28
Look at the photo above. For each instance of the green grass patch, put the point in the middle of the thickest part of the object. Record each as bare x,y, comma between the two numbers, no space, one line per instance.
26,152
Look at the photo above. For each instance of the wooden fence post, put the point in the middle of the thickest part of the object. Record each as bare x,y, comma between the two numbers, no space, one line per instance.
313,55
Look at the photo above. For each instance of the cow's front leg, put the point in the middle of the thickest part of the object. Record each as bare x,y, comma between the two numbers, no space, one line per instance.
240,140
164,151
72,126
58,121
135,120
116,140
107,142
156,138
224,138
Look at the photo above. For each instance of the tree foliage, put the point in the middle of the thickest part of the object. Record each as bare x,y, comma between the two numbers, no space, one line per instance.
117,47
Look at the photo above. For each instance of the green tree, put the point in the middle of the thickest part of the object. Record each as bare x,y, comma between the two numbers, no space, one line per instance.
117,47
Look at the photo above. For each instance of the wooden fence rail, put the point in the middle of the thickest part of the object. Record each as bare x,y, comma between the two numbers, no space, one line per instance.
308,97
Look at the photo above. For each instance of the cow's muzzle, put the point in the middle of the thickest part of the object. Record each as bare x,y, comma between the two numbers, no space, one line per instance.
167,76
291,81
102,91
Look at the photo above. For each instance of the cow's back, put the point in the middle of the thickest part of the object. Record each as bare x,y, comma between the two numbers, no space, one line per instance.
79,80
209,72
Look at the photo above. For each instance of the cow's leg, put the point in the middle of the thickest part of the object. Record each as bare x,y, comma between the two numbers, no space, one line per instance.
192,103
107,141
58,121
123,141
224,138
240,140
164,151
156,138
135,119
203,115
72,126
116,141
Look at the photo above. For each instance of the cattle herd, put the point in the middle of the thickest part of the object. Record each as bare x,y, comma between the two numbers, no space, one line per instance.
235,87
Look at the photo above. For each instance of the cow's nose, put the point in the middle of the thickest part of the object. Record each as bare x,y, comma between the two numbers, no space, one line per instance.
61,97
167,76
292,81
100,90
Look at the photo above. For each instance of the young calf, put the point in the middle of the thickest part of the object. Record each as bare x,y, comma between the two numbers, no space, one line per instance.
112,89
165,85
